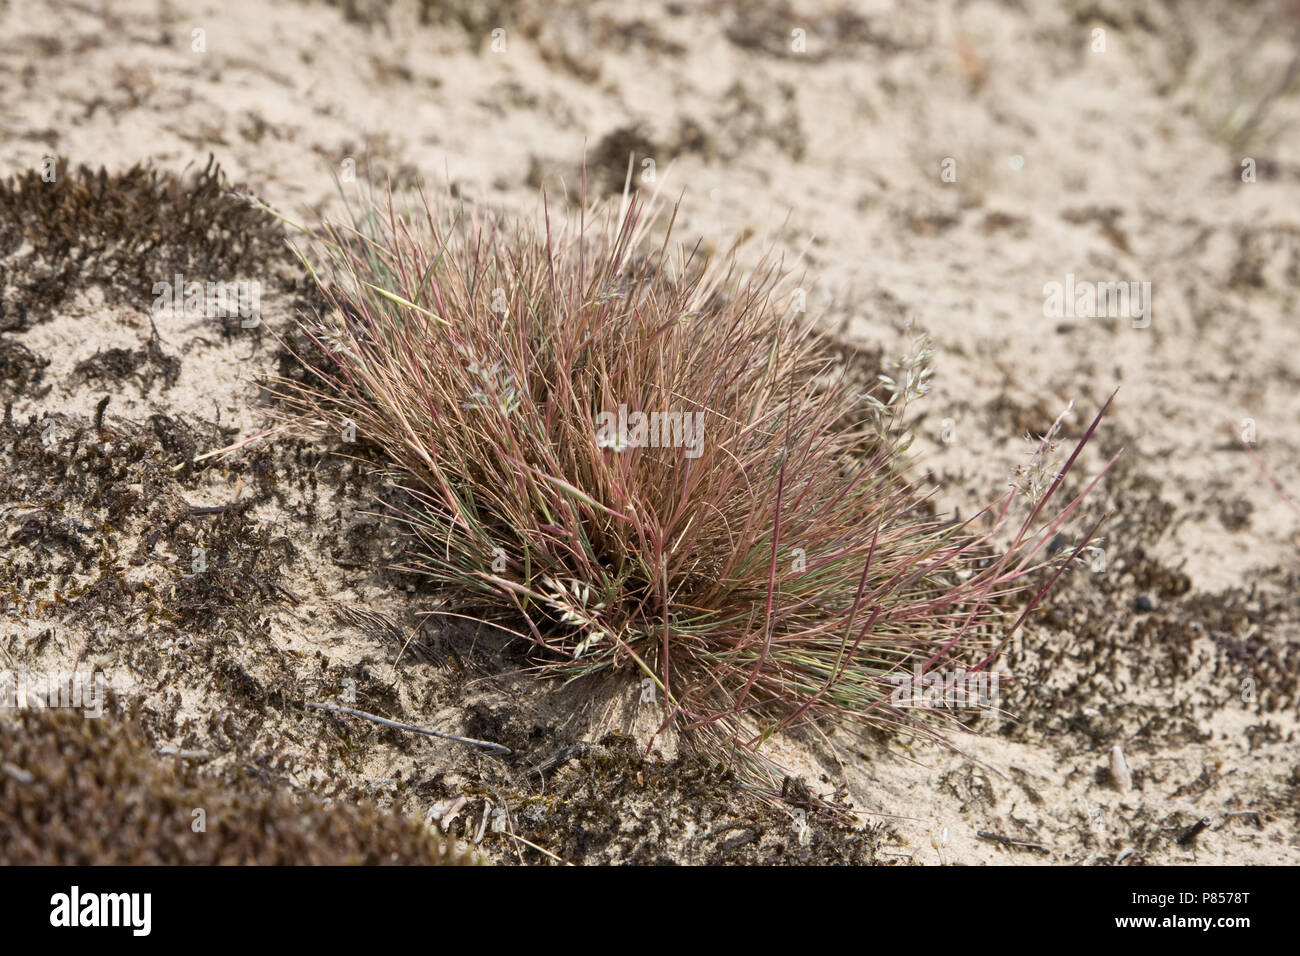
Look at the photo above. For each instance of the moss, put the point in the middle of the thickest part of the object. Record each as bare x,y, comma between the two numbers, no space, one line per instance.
147,364
121,232
607,163
100,500
1141,624
609,803
830,33
21,369
82,791
475,17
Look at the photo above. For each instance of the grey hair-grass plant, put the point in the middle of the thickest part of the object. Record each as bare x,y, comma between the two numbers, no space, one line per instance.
776,570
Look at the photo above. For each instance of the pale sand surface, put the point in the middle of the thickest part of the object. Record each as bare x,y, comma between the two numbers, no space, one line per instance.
1111,166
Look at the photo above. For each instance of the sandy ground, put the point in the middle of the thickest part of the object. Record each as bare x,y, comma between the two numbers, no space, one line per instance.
938,163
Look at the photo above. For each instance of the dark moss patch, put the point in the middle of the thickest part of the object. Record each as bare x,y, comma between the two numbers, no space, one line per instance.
745,118
768,29
84,791
1131,651
122,233
1235,513
472,16
1010,415
115,365
21,370
102,498
607,164
608,803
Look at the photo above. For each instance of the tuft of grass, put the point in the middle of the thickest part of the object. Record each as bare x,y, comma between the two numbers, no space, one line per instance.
776,570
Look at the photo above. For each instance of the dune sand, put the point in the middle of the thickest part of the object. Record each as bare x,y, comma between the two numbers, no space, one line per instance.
937,163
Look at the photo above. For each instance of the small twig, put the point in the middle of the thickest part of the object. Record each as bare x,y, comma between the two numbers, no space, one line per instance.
214,509
184,754
289,594
237,445
99,415
515,836
1008,841
1188,836
557,760
485,744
